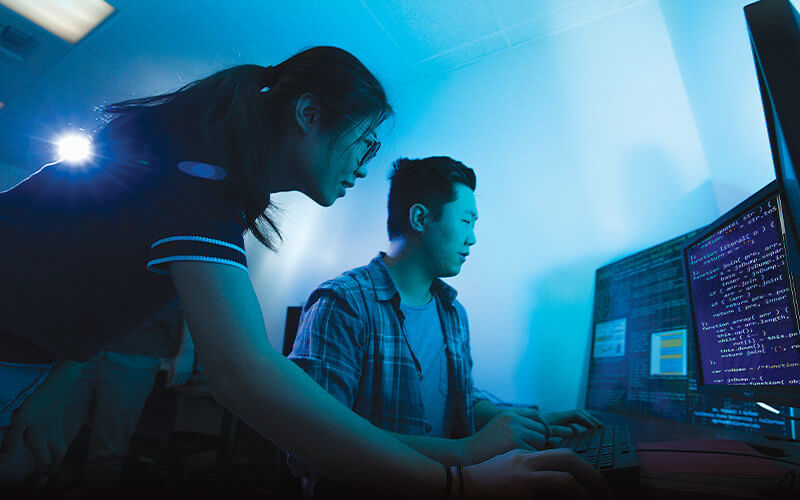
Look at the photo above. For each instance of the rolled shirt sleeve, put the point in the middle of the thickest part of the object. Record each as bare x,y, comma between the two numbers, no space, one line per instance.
330,343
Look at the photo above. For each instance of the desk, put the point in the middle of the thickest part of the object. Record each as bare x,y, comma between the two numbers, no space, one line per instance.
650,430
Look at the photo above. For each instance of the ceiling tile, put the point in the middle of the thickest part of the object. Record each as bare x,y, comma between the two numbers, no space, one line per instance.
153,46
511,13
16,139
630,3
164,45
15,82
425,29
48,48
562,19
87,83
298,25
465,55
223,33
57,110
65,98
119,4
135,48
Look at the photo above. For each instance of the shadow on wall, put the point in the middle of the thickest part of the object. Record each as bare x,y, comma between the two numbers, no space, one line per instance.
728,195
657,200
712,48
555,363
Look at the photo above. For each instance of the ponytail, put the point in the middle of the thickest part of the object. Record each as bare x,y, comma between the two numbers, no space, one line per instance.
239,111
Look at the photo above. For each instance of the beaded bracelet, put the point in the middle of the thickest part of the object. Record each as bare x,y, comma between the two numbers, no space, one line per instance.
448,482
460,481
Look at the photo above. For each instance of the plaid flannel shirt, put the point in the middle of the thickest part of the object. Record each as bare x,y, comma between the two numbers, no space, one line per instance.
351,340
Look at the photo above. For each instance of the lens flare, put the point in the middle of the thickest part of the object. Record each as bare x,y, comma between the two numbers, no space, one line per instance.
74,148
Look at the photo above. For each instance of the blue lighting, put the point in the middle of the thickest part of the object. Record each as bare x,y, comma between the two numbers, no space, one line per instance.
74,148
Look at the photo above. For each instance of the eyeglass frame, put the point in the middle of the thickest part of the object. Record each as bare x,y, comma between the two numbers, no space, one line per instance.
374,145
372,151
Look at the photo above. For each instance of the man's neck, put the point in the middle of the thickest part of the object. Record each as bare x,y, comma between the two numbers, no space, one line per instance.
409,273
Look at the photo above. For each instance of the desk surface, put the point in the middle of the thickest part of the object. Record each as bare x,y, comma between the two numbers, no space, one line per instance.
652,430
649,429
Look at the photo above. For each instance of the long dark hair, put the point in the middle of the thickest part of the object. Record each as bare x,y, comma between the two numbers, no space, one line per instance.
239,111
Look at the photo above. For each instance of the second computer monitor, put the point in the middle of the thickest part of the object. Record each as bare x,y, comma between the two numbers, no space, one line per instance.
742,304
643,360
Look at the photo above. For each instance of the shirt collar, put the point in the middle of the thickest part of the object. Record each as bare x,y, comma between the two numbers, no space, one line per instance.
385,289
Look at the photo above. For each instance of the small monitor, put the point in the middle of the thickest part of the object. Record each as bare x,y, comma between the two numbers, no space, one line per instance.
290,330
743,305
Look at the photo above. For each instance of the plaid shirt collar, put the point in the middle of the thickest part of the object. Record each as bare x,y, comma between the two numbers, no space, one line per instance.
386,291
378,376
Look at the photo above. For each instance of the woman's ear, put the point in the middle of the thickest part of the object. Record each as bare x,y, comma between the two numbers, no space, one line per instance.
306,112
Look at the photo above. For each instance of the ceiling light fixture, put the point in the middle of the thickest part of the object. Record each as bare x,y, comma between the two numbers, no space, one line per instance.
67,19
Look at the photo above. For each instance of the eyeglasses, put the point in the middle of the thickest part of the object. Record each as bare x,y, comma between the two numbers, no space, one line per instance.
372,149
373,144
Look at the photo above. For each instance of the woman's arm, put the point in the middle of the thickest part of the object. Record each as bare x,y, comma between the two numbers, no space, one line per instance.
277,398
280,401
506,431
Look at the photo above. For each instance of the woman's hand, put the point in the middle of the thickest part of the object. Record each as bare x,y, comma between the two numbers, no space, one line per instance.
37,423
524,474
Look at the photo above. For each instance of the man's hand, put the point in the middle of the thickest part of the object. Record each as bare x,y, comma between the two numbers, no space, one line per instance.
524,474
518,428
566,423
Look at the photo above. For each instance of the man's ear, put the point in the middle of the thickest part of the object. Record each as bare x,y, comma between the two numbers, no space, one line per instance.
306,112
417,216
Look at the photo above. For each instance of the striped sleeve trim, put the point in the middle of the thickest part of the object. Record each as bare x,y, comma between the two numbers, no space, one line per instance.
194,248
198,239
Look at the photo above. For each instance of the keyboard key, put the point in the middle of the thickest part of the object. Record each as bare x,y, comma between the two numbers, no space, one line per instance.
583,443
604,449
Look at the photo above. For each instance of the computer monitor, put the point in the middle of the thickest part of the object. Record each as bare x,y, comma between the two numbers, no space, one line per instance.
290,329
774,27
743,305
642,361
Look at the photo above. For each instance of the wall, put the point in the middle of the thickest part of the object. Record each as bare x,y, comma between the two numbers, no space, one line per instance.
589,145
712,47
585,148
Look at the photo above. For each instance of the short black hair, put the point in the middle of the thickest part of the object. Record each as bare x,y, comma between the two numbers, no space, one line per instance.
428,181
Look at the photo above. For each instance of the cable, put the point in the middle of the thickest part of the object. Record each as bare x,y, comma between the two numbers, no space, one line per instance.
710,452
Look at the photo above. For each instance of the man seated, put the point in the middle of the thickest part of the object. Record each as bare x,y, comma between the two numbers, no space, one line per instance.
390,340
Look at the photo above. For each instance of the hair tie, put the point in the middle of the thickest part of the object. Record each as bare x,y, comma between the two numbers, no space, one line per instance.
269,76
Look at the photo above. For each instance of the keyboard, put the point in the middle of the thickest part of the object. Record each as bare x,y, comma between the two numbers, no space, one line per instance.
608,449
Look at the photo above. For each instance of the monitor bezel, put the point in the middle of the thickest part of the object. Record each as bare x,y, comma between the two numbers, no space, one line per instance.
780,395
592,329
774,35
